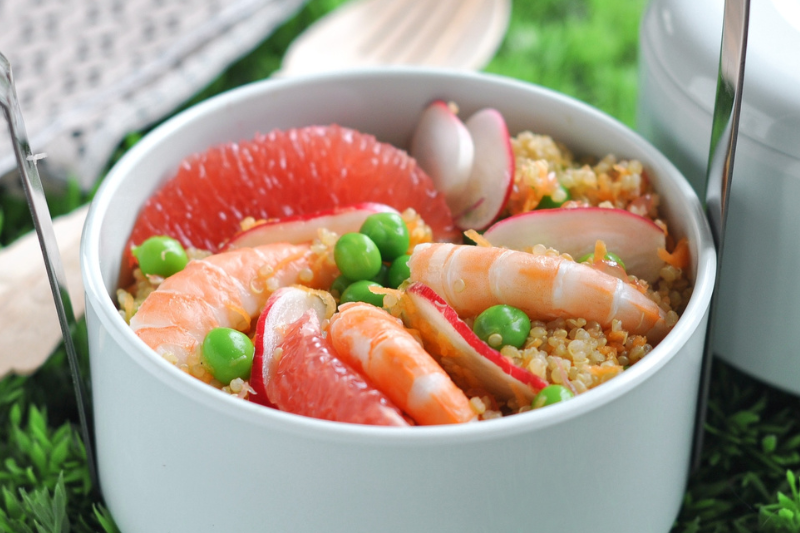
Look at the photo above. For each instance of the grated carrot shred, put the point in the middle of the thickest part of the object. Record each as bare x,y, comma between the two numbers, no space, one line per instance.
477,238
679,258
603,373
235,311
600,251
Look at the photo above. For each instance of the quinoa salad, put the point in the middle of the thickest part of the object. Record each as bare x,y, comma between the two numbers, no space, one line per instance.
575,352
299,314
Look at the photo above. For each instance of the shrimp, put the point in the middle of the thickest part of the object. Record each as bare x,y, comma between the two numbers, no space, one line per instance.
473,278
221,290
376,344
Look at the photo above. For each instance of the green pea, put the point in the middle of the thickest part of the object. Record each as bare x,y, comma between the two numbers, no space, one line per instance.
339,285
358,291
382,276
161,256
548,202
357,257
399,271
228,354
550,395
502,325
389,233
610,256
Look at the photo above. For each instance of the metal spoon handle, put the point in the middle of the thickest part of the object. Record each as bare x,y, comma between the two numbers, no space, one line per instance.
37,203
724,134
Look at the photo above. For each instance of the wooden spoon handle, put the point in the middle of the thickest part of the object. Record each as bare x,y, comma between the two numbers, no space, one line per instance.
27,313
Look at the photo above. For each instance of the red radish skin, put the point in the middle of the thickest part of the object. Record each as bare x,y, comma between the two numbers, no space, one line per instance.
492,178
285,306
443,147
635,239
303,228
470,362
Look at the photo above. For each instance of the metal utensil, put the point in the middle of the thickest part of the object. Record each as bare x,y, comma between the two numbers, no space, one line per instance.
724,133
37,204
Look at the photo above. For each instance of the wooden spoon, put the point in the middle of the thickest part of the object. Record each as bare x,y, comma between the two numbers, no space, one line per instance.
461,34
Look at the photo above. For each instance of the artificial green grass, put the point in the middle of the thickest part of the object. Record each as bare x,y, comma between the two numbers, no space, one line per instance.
584,48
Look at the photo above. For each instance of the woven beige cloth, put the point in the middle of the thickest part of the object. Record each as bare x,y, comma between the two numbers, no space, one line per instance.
88,72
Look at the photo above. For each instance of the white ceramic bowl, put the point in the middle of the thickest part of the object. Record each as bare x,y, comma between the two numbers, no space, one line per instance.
176,455
758,309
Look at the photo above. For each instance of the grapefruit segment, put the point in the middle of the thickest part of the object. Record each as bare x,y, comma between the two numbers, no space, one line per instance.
309,380
286,305
283,174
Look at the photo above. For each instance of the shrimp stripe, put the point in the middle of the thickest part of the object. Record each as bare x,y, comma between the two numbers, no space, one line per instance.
472,279
247,300
219,294
377,345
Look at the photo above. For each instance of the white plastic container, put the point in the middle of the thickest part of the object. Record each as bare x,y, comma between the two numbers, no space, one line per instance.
176,455
759,303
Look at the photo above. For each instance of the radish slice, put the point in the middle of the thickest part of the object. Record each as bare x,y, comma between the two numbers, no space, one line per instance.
443,148
285,306
470,362
303,228
492,174
635,239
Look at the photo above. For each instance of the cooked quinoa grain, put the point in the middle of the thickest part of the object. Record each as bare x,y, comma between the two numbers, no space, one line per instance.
573,352
543,164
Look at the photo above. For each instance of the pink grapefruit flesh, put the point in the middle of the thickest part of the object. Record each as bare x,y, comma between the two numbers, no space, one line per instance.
310,380
283,174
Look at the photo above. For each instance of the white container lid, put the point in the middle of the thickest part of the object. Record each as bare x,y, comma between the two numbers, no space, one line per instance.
685,37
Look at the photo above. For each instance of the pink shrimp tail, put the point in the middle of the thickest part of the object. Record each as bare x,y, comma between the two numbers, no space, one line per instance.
222,290
310,380
376,344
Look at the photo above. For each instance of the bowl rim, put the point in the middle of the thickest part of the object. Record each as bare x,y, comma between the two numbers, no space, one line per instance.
95,291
